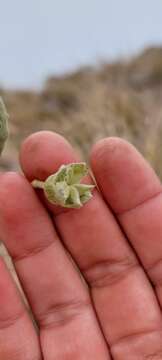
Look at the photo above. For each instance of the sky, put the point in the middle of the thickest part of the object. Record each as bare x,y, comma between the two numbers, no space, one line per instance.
39,38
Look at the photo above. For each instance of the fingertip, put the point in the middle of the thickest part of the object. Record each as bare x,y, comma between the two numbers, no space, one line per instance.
43,152
13,187
9,180
110,147
123,175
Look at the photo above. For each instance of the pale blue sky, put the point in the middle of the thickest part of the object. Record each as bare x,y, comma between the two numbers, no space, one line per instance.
41,37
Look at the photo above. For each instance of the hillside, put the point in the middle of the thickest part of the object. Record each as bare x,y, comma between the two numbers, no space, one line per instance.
122,98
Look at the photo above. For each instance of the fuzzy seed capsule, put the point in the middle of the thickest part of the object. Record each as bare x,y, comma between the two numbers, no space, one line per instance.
64,188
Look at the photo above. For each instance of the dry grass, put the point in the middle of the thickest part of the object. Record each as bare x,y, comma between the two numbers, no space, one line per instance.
121,99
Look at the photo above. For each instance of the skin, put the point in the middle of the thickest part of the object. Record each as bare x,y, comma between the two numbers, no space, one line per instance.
92,276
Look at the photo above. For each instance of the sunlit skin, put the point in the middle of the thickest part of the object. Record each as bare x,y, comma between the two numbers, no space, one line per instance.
92,275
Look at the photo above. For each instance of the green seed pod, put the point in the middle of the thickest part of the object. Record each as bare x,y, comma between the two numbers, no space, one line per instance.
3,125
64,188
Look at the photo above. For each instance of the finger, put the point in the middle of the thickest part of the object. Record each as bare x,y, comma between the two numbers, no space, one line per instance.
15,320
58,297
123,298
137,201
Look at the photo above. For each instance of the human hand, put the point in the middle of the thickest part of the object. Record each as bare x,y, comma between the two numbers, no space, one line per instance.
116,242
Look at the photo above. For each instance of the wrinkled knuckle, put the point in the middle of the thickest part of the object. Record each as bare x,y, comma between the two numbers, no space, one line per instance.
10,321
154,356
139,342
108,272
31,252
63,313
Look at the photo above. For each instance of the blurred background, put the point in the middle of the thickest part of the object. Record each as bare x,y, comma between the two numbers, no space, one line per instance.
85,69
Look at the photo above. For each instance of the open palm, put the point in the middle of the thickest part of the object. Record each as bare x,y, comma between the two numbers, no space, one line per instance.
92,276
